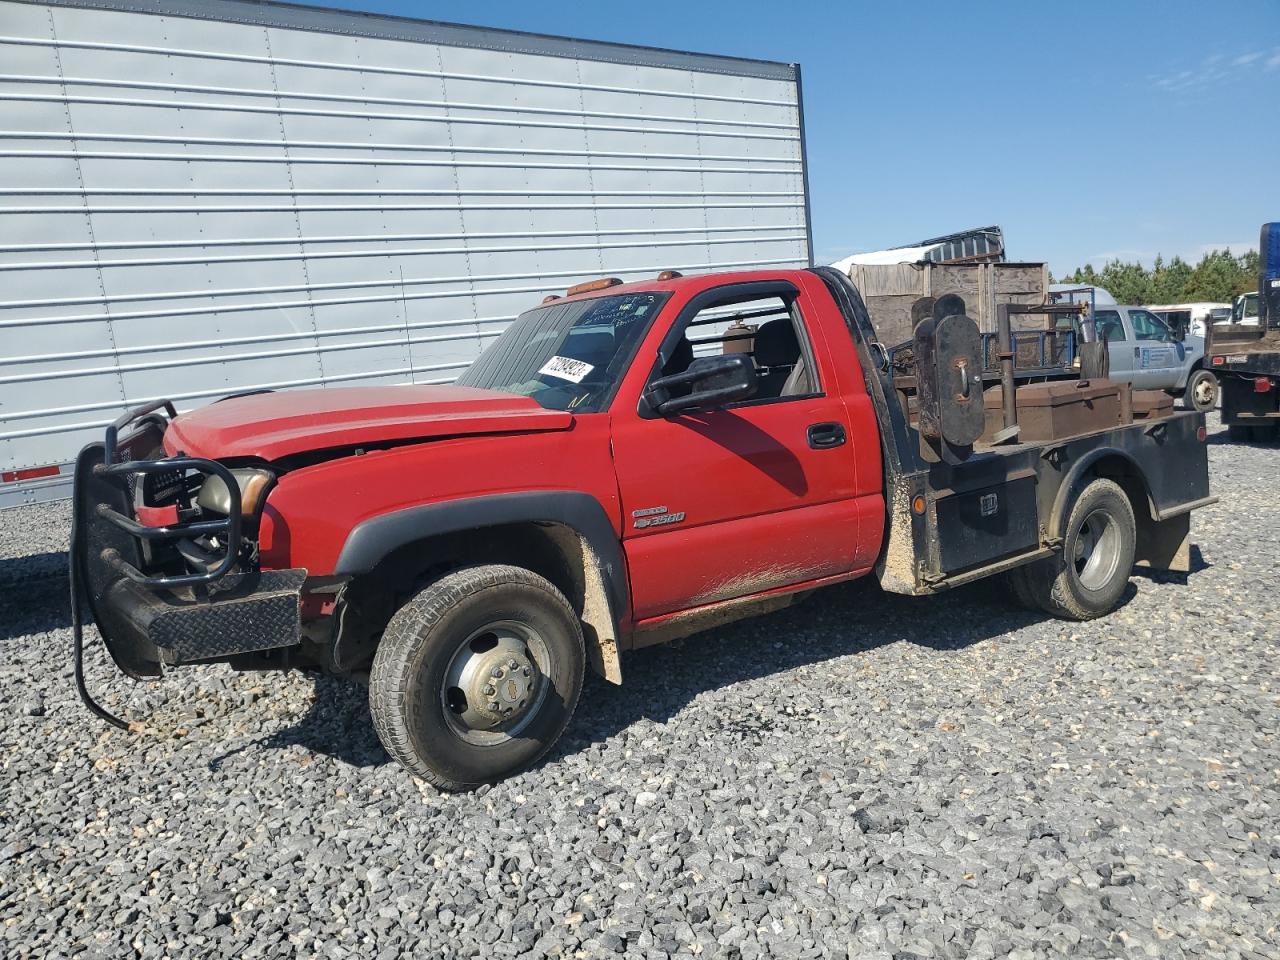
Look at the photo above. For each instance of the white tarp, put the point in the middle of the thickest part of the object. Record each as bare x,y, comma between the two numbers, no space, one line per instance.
880,257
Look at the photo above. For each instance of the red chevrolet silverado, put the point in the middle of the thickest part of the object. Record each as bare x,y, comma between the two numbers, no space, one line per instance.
625,464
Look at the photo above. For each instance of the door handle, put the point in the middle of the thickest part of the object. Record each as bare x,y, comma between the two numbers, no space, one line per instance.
823,436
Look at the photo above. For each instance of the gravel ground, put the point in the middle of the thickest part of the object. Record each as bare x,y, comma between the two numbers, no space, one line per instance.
860,775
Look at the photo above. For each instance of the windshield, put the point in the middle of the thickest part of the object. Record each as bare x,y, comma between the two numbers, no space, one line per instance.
567,356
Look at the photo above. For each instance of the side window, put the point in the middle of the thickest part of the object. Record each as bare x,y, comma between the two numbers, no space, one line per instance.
770,330
1110,330
1147,326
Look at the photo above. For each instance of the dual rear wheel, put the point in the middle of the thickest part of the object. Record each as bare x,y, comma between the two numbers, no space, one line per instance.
1088,578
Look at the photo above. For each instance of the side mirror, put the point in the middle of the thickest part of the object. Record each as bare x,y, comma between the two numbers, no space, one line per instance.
713,382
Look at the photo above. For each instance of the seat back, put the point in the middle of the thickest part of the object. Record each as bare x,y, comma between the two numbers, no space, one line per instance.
777,351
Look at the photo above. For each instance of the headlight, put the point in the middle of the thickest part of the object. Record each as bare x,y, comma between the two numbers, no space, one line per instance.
254,484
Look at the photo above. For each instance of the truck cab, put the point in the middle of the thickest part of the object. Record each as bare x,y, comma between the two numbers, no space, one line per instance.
1244,310
1144,351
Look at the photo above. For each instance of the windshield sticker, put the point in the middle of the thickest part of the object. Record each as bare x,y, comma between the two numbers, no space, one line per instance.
566,368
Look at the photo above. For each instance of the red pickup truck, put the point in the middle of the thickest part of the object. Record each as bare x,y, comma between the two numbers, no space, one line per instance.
626,464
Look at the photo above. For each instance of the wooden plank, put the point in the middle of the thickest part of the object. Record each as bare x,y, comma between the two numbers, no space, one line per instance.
890,290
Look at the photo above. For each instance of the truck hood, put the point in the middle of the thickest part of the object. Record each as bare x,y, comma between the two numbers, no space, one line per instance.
271,426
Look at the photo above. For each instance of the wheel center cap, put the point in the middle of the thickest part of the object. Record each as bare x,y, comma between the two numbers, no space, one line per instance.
502,686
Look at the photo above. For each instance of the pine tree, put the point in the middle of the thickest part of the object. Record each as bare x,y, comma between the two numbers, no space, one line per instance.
1217,278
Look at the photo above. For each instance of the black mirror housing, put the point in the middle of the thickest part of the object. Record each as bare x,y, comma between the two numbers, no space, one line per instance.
713,382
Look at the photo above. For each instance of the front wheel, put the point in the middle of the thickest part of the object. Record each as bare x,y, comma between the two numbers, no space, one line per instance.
477,676
1087,579
1202,391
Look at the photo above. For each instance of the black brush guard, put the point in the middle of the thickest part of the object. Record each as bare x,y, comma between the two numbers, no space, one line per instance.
149,618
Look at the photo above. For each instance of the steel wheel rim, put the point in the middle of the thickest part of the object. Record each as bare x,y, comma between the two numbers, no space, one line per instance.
1205,392
1096,550
504,664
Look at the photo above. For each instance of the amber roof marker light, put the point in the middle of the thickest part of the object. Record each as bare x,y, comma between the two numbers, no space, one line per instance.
670,275
590,285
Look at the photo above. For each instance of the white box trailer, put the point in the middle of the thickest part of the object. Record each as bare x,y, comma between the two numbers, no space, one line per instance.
204,199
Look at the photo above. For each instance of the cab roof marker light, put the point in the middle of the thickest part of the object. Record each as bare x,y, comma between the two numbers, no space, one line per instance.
670,275
590,285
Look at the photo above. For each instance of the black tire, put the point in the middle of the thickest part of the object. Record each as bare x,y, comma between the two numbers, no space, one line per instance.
1239,433
1016,580
1087,579
415,709
1201,392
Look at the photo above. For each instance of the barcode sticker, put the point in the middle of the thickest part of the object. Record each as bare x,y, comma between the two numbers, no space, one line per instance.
566,368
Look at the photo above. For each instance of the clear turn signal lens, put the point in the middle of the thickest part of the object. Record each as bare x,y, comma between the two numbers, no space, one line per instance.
253,484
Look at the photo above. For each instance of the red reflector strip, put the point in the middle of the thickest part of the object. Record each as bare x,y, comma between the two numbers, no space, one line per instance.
156,516
29,473
1202,434
1219,361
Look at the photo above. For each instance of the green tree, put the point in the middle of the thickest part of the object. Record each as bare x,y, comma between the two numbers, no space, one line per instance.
1084,276
1168,280
1250,264
1214,278
1217,277
1128,282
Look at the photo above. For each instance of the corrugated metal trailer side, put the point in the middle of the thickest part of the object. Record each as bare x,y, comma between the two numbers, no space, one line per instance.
200,199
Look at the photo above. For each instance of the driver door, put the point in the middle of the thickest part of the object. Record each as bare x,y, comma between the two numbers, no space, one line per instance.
759,495
1157,356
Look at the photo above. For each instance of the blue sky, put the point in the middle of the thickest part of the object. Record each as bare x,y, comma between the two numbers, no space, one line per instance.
1087,130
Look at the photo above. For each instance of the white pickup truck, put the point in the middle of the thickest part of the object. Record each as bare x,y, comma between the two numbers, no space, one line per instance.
1145,352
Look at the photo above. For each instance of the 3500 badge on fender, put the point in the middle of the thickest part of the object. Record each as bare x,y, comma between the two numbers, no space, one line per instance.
655,517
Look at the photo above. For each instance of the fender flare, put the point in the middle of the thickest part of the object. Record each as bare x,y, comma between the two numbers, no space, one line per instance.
1187,373
373,539
1062,500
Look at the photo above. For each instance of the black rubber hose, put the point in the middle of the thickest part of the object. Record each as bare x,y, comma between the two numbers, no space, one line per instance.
77,625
